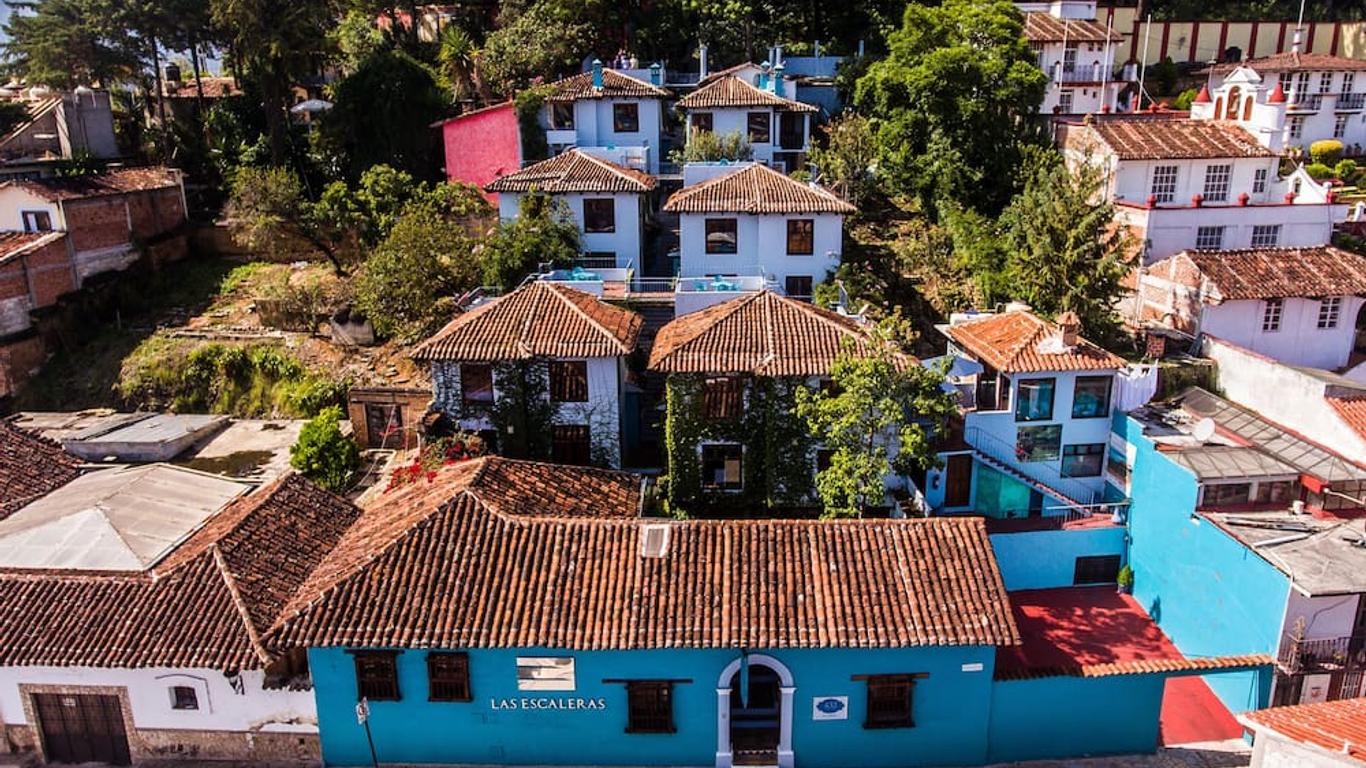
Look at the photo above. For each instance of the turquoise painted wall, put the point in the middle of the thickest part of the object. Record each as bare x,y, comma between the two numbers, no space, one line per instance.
1063,717
1209,593
951,709
1044,559
998,494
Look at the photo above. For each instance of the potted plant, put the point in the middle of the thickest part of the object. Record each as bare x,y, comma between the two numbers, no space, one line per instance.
1125,579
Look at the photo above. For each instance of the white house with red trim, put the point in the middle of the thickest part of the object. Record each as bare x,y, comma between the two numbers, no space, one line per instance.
610,110
1077,52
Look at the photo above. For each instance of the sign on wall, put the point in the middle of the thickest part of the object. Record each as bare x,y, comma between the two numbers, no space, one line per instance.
830,708
545,673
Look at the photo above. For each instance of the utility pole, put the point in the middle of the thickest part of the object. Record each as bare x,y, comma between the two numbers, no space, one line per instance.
363,717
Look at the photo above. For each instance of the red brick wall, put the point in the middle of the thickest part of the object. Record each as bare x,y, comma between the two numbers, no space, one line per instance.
155,211
49,269
16,360
100,222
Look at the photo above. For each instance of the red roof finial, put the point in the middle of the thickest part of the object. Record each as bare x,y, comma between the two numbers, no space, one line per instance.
1203,96
1277,95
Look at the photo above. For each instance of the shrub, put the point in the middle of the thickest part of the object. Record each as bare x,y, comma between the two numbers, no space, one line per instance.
712,147
1183,99
323,454
1319,171
1345,170
442,451
1328,151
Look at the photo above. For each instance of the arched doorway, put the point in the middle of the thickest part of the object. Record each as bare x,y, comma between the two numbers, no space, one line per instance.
754,725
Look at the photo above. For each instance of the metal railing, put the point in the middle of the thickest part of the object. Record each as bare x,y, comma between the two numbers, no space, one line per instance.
1309,102
1297,655
1088,73
1040,472
1350,101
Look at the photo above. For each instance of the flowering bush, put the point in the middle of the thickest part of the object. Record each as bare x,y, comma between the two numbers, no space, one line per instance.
435,454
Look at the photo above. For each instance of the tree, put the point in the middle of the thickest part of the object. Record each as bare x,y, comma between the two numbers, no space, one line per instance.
544,41
459,59
954,101
65,43
846,160
323,454
268,213
357,38
711,147
543,233
1064,251
880,417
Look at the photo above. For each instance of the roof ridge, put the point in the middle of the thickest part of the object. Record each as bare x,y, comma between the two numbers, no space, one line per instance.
239,603
609,165
559,291
729,311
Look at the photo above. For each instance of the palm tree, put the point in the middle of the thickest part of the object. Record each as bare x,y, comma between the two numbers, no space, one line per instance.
460,64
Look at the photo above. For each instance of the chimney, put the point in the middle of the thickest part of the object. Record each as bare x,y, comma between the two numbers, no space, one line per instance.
765,82
597,73
778,81
1069,328
701,62
655,70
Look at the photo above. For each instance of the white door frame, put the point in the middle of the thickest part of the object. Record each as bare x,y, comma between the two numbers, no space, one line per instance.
725,758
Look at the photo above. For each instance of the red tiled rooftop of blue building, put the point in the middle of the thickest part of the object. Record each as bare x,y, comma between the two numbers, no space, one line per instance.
1081,626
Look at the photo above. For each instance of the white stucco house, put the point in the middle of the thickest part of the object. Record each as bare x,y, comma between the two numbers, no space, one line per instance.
606,200
609,110
1299,306
1180,184
1077,52
748,227
777,126
578,343
1290,99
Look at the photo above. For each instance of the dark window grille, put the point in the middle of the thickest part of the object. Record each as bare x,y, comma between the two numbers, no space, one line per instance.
448,676
801,237
889,701
722,398
377,675
1096,569
570,444
568,381
650,707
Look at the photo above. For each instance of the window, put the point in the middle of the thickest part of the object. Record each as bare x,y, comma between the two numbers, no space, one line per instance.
448,677
722,466
823,458
1066,101
1216,181
1091,397
1042,443
722,397
701,121
37,221
1259,181
568,381
760,125
1326,82
1266,235
377,675
1272,309
649,706
1330,310
1297,127
1069,58
1035,400
1164,183
1348,81
1226,494
1340,126
599,214
476,383
1095,569
1083,460
1301,88
889,701
1285,81
570,444
545,673
1209,238
562,115
801,237
798,287
722,235
626,118
184,697
1279,492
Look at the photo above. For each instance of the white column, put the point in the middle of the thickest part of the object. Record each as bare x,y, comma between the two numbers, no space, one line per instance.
785,758
724,758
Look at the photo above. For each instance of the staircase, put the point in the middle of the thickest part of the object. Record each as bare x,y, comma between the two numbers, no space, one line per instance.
1000,456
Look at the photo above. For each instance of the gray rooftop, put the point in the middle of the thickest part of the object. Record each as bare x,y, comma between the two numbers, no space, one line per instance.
1321,556
1230,462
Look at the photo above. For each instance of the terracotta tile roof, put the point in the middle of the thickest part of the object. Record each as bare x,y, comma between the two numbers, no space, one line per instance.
727,72
1290,61
30,468
1010,343
731,91
1161,138
1266,273
614,86
763,334
1352,411
574,171
755,188
112,183
1337,726
13,243
437,567
534,489
540,319
1047,28
205,605
1138,667
214,88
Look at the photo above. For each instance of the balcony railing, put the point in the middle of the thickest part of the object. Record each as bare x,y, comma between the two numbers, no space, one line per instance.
1086,73
1309,102
1333,653
1350,102
1039,472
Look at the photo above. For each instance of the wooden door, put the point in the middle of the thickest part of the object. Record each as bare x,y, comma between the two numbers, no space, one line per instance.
82,728
958,481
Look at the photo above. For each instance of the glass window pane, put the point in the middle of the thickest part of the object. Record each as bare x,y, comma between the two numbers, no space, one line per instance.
1034,401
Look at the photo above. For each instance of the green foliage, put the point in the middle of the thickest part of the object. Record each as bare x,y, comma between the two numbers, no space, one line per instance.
81,163
712,147
1345,170
544,41
543,233
1184,99
1319,171
1163,76
436,453
1125,578
381,115
528,103
879,418
65,43
847,157
522,414
356,38
954,101
1327,152
12,115
323,454
269,214
459,59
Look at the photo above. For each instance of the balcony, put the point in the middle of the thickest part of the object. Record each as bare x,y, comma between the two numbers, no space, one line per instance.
1325,655
1350,102
1310,102
1090,73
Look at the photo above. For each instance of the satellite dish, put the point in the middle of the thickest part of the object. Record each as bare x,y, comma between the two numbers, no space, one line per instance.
1204,429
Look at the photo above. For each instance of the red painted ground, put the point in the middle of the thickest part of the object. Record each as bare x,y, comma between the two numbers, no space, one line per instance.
1096,625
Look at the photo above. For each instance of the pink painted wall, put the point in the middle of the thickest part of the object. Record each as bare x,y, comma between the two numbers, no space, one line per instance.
482,145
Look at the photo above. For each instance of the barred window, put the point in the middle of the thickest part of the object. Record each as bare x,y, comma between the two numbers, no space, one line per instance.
649,707
1164,183
377,675
801,237
1259,181
571,444
1326,82
889,701
568,381
722,397
448,676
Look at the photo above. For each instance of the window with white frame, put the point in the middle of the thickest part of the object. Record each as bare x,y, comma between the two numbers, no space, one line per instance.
1285,81
1069,58
1339,126
1297,127
1301,87
1272,309
1348,82
1259,178
1266,235
1330,310
1326,82
1164,183
1216,181
1209,238
1065,101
